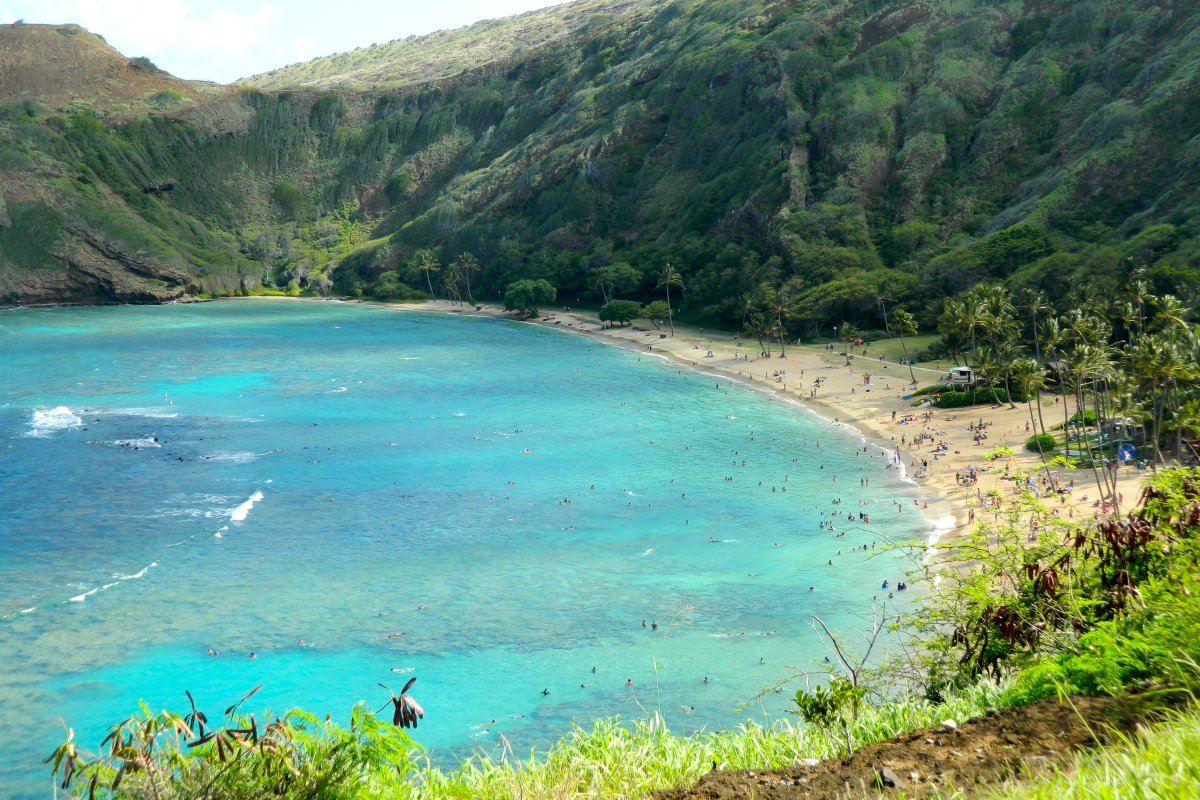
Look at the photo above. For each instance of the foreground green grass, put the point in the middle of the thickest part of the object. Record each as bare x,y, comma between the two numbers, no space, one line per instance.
1164,762
615,761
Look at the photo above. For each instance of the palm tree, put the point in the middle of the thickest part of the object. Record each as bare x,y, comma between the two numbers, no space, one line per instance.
779,303
759,326
1007,356
882,299
670,277
1150,359
1052,335
974,316
1030,378
1141,295
747,303
451,277
988,370
905,324
427,264
467,264
1091,364
1036,301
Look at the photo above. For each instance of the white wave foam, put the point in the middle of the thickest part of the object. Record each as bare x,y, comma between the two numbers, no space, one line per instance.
338,390
48,421
139,574
941,526
137,444
150,413
184,512
29,610
240,513
231,458
79,598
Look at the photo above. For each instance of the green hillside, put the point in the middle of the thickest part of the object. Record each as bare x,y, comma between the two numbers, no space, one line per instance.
829,153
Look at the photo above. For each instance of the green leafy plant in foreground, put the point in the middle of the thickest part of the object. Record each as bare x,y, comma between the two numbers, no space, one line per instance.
1111,599
831,707
166,755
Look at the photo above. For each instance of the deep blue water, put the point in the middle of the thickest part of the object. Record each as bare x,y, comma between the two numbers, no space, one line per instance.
494,506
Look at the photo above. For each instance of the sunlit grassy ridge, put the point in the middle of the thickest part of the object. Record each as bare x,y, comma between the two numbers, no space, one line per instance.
418,59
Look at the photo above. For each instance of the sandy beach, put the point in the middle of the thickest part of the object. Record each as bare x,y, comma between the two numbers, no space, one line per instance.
868,394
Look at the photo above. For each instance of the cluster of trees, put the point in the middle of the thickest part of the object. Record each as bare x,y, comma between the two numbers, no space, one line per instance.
1130,361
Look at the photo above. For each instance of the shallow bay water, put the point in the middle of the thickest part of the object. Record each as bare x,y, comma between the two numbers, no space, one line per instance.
494,506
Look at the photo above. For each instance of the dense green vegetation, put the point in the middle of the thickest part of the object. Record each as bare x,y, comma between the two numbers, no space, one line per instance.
1130,362
832,157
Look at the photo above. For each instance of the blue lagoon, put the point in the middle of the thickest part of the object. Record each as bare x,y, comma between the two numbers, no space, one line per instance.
349,493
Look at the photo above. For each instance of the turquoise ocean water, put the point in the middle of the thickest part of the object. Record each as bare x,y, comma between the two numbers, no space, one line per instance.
494,506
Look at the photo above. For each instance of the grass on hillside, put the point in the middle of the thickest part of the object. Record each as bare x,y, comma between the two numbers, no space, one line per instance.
1164,762
612,760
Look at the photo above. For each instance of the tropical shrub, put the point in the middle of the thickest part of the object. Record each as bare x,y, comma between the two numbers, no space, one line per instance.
1040,443
974,398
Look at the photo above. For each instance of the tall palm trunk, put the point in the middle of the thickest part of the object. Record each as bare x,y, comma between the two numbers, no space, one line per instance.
1158,404
1041,452
1008,392
908,361
1081,404
1037,353
1178,397
1041,422
670,313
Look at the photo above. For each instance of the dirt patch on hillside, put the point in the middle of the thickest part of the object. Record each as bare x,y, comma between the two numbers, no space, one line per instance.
979,752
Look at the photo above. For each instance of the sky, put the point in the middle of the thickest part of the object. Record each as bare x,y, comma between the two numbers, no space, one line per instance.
223,40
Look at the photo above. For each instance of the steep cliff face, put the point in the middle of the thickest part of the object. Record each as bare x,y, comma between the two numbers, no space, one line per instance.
846,150
51,252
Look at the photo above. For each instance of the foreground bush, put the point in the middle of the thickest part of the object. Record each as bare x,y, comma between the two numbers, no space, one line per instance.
1040,443
975,397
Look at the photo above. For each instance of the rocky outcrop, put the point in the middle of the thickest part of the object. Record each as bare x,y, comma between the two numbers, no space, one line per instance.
92,270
